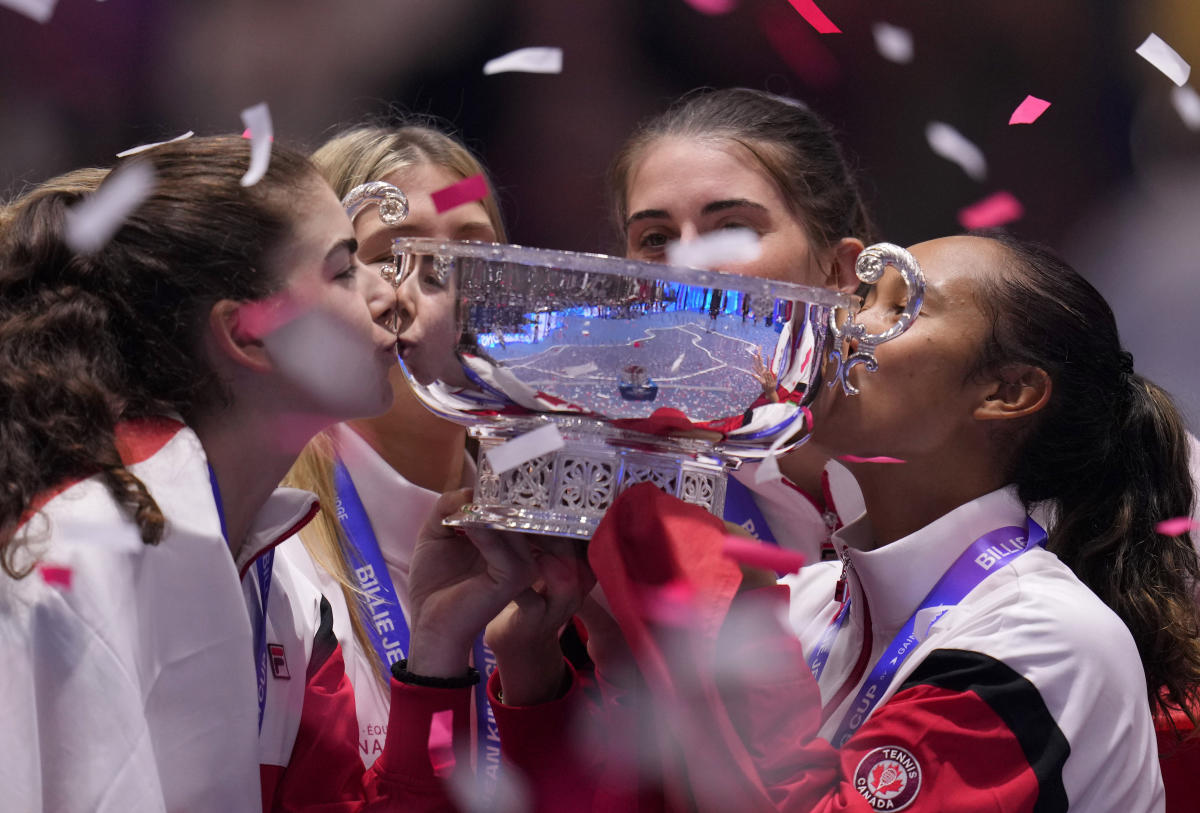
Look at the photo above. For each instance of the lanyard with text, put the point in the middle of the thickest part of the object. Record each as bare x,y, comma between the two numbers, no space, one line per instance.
487,741
985,555
385,624
820,655
742,510
263,569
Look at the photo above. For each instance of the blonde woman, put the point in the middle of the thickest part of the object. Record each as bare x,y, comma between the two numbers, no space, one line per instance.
381,476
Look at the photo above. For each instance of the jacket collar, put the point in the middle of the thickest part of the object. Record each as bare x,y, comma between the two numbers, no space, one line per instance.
169,458
898,576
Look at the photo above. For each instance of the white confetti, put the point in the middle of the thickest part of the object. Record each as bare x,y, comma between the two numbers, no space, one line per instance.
144,147
953,146
323,356
93,221
893,42
39,10
1187,105
523,448
580,369
526,60
1162,56
677,362
715,248
258,121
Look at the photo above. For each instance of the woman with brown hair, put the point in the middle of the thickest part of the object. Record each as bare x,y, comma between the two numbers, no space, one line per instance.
156,389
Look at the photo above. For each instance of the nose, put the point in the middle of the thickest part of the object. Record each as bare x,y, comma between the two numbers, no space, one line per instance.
381,300
405,303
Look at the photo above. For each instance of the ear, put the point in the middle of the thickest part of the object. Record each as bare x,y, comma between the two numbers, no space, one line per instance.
234,339
845,254
1018,390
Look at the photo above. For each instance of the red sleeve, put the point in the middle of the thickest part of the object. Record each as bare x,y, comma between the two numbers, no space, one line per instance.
964,733
325,772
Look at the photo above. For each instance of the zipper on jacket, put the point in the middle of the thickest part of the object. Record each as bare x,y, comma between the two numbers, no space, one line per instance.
839,589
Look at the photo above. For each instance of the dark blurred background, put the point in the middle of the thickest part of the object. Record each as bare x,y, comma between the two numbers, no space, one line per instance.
1110,174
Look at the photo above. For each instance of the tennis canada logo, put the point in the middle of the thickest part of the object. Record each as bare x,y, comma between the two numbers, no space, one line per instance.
888,778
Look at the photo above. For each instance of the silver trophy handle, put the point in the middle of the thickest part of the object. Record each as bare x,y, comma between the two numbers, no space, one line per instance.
393,209
869,268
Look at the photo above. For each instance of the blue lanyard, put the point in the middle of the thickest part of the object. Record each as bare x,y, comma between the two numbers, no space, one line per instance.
487,740
263,569
384,614
820,655
742,510
982,558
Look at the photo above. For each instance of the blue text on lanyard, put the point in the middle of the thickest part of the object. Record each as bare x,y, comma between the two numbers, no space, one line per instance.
386,616
385,623
984,556
263,569
741,509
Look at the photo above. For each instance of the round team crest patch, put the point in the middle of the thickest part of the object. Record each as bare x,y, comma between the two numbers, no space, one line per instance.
888,778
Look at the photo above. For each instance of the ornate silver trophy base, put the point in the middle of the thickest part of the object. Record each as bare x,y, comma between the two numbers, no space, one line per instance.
566,492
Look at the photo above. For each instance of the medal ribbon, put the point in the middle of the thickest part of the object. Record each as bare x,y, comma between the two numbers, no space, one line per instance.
742,510
379,601
983,557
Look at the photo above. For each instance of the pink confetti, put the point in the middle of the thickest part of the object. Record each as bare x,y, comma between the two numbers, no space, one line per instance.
816,18
1177,526
441,738
1027,112
799,46
712,7
994,210
756,554
672,603
265,316
467,190
56,575
853,458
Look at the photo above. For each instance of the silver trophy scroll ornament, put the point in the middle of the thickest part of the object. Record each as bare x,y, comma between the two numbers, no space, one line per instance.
869,268
581,374
393,210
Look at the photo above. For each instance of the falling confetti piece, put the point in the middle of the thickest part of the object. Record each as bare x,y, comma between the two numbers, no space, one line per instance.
265,316
893,42
258,121
755,554
953,146
815,17
1177,526
144,147
1187,104
853,458
526,60
92,222
994,210
465,191
715,248
328,359
801,48
39,10
1162,56
672,603
677,362
1028,111
712,7
56,575
523,448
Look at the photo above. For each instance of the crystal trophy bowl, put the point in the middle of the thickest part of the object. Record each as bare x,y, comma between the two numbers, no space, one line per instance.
581,375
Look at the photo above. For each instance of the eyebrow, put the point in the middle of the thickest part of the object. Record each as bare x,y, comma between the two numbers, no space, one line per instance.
708,209
349,244
732,203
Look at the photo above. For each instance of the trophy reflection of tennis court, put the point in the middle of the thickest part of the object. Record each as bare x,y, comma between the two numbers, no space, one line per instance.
630,369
